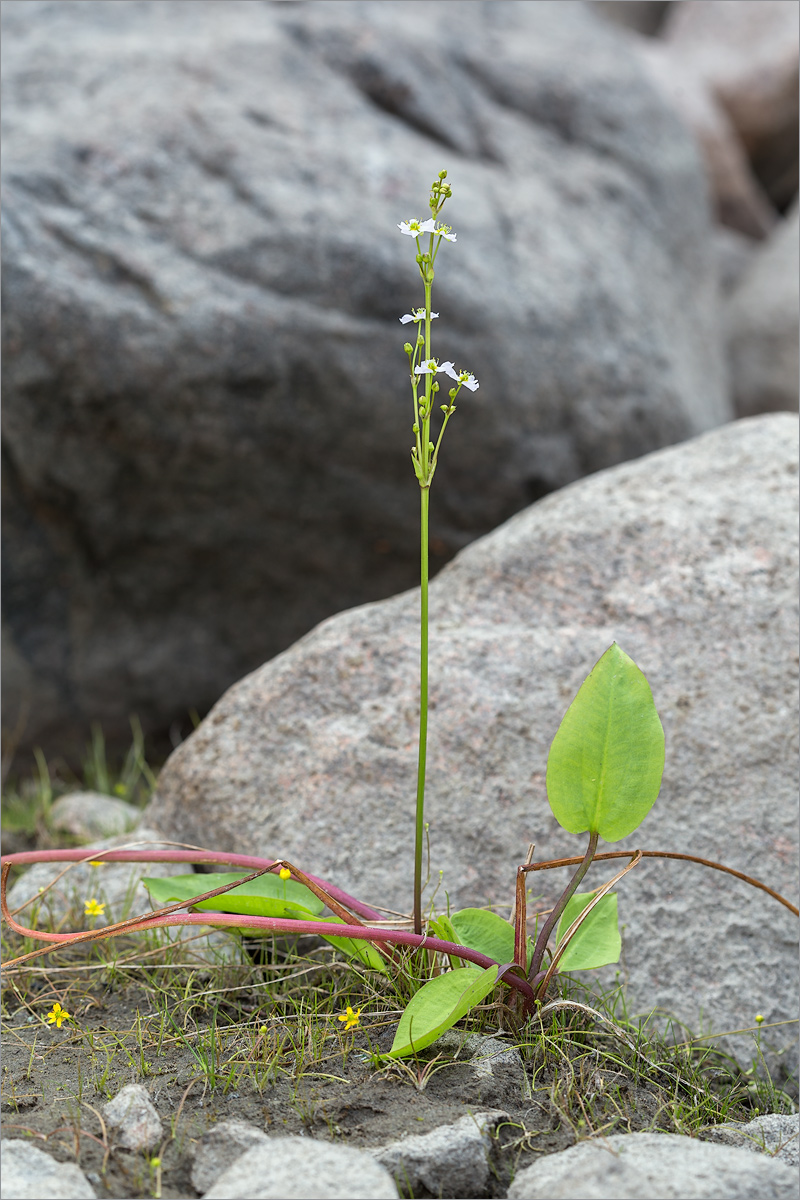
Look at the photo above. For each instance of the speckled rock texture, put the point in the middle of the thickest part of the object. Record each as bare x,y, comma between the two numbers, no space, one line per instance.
688,559
775,1134
133,1120
206,409
451,1161
654,1166
294,1168
219,1149
31,1174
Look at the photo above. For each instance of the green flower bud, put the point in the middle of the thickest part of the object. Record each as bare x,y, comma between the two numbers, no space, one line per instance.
409,349
443,174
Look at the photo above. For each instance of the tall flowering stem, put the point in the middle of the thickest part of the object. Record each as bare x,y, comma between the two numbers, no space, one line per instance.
424,368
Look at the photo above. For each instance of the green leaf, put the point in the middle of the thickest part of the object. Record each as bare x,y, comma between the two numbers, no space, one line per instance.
355,948
485,932
438,1005
596,942
267,896
442,928
607,758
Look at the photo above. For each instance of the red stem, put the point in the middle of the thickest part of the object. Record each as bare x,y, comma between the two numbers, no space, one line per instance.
187,856
401,937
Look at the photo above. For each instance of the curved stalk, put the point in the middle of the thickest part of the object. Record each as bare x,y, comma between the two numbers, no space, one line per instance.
576,924
551,864
569,890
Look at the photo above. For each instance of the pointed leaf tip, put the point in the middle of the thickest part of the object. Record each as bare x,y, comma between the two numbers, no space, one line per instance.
607,758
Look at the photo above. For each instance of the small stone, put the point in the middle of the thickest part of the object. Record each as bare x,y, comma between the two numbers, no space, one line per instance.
297,1168
450,1161
132,1115
220,1148
658,1166
775,1134
497,1068
90,815
30,1174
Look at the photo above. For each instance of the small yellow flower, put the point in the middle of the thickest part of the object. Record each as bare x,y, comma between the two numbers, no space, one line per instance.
759,1018
57,1015
285,873
98,862
92,909
351,1018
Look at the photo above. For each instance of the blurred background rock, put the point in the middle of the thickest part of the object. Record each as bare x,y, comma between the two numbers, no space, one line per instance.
205,401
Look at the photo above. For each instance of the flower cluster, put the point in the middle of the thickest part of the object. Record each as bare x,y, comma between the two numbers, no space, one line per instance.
415,229
422,365
431,367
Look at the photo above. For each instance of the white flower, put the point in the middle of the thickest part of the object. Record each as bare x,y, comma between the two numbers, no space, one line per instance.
461,377
417,315
446,232
415,228
429,366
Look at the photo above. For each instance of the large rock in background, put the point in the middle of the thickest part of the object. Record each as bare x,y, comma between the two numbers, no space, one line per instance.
761,319
206,410
747,55
687,559
731,71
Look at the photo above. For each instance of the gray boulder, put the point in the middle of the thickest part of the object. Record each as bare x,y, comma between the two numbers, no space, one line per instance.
775,1134
451,1161
31,1174
688,559
653,1166
761,319
219,1149
206,410
295,1168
